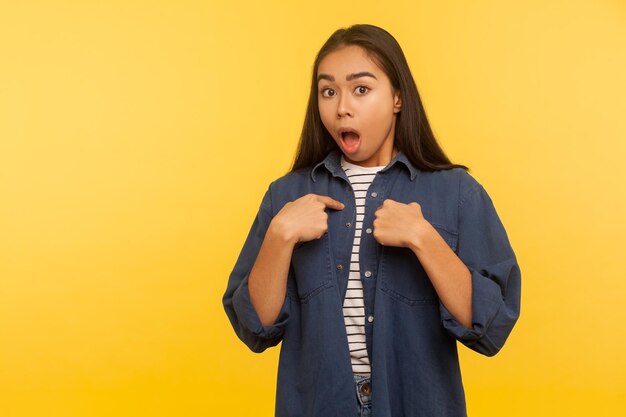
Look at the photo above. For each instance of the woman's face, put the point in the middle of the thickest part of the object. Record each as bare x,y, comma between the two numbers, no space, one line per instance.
354,94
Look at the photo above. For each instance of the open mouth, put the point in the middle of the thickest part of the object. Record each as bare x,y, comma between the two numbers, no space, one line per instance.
350,140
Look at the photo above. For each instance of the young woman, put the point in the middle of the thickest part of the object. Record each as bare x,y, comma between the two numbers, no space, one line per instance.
375,253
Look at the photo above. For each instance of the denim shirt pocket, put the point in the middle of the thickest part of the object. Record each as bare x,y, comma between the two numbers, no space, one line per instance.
403,277
451,238
311,265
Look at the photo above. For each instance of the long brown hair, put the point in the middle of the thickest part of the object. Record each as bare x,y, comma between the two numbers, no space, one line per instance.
413,134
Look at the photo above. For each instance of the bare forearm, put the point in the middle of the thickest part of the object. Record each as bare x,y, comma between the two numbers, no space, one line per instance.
447,272
267,283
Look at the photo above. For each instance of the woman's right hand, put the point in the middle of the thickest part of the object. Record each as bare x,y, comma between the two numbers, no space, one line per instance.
304,219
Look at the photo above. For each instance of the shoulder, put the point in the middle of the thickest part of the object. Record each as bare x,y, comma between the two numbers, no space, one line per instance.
471,192
291,180
453,181
468,185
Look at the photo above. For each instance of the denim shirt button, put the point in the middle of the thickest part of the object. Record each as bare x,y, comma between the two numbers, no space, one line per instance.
374,194
370,318
339,267
368,273
368,231
348,224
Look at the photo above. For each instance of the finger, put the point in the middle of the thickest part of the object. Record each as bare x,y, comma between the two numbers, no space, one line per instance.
331,203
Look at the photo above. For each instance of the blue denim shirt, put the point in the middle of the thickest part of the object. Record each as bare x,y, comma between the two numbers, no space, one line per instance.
411,340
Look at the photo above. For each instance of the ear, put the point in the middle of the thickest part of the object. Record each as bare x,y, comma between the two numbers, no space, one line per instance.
397,102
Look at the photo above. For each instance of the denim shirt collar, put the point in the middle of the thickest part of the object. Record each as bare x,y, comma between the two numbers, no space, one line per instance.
332,162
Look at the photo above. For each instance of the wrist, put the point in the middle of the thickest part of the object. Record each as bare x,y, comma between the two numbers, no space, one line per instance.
278,231
419,238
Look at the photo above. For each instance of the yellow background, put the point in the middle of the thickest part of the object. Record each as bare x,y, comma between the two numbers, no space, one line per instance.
137,139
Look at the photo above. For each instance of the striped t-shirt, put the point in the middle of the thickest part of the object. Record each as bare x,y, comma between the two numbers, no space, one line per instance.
353,305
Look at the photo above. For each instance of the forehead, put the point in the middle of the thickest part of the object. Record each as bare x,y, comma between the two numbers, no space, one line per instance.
346,60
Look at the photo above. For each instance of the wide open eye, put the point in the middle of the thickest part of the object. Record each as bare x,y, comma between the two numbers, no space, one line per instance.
362,89
327,90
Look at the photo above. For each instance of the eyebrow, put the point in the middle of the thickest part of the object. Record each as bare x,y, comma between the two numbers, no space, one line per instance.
349,77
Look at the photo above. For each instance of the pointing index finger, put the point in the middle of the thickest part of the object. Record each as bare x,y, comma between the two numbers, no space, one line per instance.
331,203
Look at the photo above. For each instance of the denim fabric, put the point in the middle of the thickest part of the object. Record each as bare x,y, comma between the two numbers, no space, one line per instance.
411,338
364,400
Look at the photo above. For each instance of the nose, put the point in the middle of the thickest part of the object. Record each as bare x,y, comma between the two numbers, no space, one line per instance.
343,106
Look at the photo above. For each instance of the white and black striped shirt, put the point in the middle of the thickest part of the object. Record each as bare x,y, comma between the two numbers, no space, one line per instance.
353,305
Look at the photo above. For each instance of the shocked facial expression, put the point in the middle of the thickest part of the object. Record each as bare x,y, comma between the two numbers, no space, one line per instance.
358,106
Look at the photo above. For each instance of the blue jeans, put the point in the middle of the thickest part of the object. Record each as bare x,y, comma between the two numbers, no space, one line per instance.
363,385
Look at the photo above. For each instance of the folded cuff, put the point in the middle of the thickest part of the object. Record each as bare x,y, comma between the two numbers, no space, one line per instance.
249,318
486,302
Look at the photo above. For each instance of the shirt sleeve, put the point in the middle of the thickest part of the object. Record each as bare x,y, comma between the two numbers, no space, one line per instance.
484,247
236,300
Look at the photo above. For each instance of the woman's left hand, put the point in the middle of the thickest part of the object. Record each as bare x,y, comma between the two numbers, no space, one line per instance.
399,224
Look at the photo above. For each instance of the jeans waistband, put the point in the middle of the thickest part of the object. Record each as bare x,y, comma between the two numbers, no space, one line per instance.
363,385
